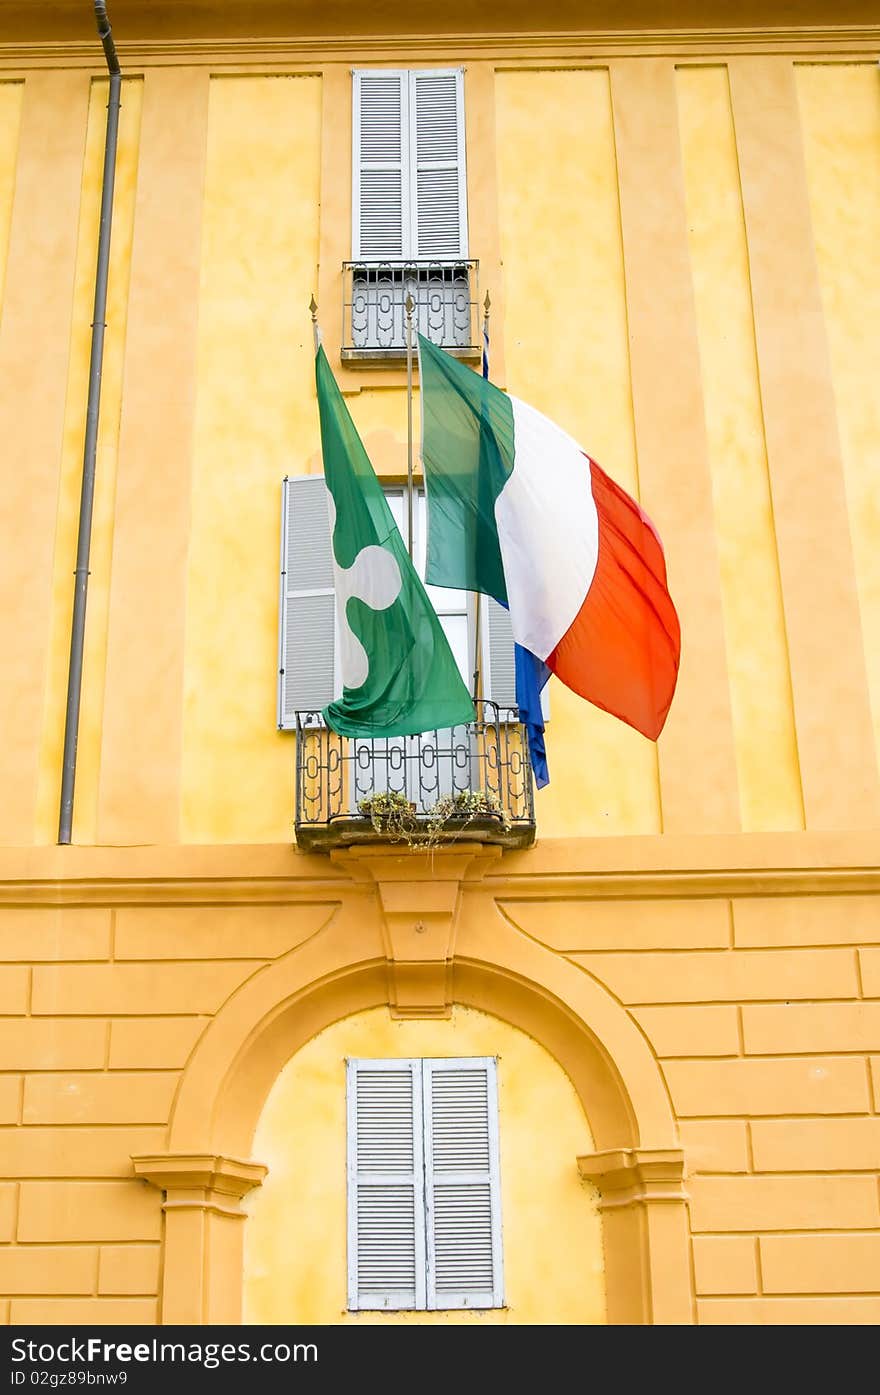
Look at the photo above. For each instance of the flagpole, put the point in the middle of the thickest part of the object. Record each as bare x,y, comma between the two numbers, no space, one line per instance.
316,333
409,305
477,598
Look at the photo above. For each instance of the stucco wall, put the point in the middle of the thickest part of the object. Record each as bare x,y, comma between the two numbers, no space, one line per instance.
679,238
752,976
640,297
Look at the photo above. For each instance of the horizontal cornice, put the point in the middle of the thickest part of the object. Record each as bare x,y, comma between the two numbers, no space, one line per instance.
636,868
535,49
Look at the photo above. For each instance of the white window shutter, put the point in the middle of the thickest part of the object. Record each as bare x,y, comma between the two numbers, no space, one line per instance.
438,191
499,660
380,165
386,1212
499,665
462,1193
307,610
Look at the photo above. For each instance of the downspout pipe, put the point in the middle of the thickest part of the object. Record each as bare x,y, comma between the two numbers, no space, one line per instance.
87,497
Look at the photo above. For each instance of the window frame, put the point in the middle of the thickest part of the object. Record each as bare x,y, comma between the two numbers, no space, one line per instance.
409,164
423,1070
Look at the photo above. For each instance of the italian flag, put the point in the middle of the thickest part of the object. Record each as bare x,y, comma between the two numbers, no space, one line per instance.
518,511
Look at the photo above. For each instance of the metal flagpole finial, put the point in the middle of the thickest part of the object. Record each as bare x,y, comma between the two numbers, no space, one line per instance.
316,332
409,305
486,305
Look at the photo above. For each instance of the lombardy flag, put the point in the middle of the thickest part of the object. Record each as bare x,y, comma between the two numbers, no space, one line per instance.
398,672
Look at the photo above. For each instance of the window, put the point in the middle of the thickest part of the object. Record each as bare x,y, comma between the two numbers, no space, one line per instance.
308,677
424,1211
409,212
410,191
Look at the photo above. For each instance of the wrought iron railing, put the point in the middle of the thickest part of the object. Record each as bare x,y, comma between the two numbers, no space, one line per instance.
373,314
479,774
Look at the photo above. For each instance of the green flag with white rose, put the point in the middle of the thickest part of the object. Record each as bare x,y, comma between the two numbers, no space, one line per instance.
398,672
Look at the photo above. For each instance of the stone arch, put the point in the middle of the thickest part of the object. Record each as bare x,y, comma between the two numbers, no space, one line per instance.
638,1166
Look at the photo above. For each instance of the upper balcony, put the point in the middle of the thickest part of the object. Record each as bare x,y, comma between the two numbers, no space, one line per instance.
470,783
446,296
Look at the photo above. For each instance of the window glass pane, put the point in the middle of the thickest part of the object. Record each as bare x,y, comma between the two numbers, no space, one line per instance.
455,628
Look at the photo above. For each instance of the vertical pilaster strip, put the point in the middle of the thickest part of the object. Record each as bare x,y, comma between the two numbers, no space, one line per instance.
34,347
580,377
483,222
70,478
250,427
698,778
840,113
335,224
829,682
139,795
757,654
11,97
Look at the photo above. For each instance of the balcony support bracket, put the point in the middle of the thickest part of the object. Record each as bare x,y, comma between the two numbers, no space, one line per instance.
419,895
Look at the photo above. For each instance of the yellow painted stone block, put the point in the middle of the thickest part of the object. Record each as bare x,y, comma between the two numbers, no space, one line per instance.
820,1263
114,1312
870,965
783,1203
158,1043
48,1268
792,1027
725,1264
806,920
89,1211
129,1269
10,1098
129,988
715,1145
813,1085
690,1031
44,1043
586,925
8,1205
55,933
816,1145
735,976
216,932
124,1097
13,989
807,1312
78,1152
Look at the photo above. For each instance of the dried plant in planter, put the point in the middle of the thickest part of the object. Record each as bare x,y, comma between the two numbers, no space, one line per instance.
391,814
467,805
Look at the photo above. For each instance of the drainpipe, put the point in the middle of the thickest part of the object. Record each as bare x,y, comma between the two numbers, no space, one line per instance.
87,497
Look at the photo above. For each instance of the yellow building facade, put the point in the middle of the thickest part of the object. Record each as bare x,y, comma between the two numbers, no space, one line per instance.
680,980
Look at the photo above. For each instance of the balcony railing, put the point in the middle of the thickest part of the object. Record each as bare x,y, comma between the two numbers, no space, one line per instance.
478,774
373,314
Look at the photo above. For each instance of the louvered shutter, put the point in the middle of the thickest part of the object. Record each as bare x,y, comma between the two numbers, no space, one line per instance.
386,1212
499,663
307,609
499,670
438,176
462,1195
381,184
